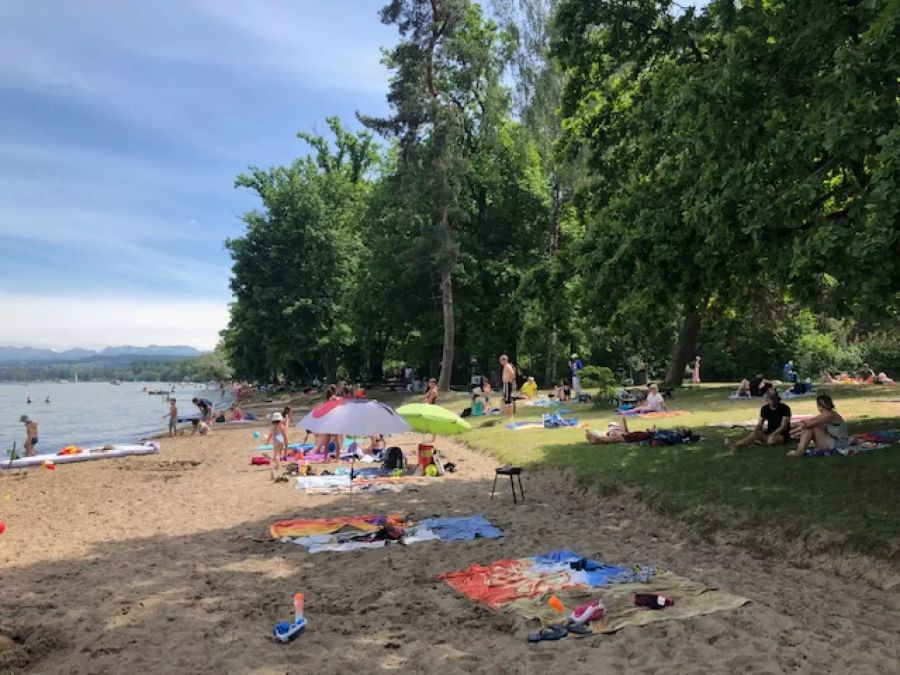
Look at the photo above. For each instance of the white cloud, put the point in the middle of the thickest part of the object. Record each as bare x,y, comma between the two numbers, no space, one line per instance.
93,322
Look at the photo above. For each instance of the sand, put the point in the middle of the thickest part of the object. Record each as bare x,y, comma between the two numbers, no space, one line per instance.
150,565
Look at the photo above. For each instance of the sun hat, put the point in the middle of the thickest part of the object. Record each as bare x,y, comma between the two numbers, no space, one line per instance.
276,417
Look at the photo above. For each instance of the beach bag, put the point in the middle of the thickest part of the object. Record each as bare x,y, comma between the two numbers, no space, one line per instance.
393,458
667,437
467,412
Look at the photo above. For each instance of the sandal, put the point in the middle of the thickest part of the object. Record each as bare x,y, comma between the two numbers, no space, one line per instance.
555,632
578,629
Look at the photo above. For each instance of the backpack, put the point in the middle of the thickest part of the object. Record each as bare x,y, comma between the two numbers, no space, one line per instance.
393,458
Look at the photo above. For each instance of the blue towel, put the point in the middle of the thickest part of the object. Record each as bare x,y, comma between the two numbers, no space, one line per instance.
460,529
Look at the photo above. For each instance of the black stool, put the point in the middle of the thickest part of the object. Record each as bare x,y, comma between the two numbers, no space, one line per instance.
509,471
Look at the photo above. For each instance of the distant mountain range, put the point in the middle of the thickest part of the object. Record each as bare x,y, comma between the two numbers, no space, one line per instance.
154,352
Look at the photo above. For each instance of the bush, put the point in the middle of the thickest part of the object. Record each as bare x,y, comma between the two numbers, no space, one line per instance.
600,378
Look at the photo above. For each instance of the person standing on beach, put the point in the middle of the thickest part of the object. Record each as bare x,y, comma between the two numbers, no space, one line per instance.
278,437
31,435
173,417
206,408
508,376
576,365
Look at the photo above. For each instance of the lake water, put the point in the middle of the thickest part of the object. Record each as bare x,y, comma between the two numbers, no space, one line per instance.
90,413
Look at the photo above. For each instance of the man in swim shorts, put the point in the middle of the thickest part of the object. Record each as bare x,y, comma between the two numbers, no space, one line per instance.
31,435
508,376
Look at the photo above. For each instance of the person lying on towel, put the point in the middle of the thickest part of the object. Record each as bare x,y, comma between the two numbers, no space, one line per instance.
618,433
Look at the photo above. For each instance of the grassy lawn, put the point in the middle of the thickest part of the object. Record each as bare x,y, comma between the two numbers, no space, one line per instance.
856,500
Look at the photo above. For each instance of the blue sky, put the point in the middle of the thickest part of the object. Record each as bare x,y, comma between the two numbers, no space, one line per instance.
122,127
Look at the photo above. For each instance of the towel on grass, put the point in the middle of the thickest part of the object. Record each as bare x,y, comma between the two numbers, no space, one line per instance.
860,443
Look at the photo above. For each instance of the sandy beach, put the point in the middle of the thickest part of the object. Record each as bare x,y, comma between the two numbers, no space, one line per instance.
160,565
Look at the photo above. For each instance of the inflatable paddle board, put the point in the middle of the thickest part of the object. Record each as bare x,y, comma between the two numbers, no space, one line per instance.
85,455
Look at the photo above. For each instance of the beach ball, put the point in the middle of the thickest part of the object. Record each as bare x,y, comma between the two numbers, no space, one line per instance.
255,434
431,470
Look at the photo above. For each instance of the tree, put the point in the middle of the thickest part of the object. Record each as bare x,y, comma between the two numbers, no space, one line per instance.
446,65
289,281
710,171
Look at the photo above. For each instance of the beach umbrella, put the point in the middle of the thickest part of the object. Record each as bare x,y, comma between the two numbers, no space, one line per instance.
353,417
432,419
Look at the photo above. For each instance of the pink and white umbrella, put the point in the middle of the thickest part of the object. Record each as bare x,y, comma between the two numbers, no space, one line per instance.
353,417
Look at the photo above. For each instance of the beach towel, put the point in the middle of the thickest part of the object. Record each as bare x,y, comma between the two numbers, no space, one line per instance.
860,443
304,527
651,414
521,426
557,421
352,536
523,587
342,483
461,529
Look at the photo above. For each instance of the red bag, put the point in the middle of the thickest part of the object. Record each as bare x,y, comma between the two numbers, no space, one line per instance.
260,460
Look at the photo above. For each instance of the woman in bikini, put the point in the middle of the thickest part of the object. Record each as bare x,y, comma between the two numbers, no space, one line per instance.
828,429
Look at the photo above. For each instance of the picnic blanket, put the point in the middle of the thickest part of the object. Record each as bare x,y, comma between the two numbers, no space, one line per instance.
351,537
522,587
860,443
520,426
648,415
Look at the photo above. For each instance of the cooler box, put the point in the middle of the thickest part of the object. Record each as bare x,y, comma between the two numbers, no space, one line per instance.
426,454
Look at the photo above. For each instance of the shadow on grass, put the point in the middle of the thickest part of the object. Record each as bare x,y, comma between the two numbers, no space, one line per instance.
852,499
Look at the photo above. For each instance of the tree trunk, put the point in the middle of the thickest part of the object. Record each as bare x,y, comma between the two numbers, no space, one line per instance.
449,330
684,348
552,358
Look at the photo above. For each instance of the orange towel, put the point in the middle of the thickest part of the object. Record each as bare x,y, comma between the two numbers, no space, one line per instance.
307,527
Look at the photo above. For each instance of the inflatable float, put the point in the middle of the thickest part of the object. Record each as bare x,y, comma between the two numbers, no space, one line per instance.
72,454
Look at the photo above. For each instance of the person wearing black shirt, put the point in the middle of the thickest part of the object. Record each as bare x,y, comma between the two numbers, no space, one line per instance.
759,385
772,428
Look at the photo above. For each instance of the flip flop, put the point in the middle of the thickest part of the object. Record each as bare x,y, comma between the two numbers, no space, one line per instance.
555,632
578,629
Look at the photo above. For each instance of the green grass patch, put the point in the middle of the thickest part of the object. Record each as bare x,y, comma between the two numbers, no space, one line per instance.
855,499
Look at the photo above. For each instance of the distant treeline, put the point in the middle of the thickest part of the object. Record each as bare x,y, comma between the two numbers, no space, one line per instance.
201,369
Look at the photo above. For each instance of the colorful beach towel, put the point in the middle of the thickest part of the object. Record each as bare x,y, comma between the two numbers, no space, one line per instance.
860,443
351,537
343,483
522,587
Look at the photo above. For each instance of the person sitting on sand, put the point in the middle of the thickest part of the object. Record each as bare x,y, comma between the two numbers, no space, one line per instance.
199,426
883,378
375,446
278,437
654,402
173,417
236,413
31,435
759,385
772,428
828,429
529,388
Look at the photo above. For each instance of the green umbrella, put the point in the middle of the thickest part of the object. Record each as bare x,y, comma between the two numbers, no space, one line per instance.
432,419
